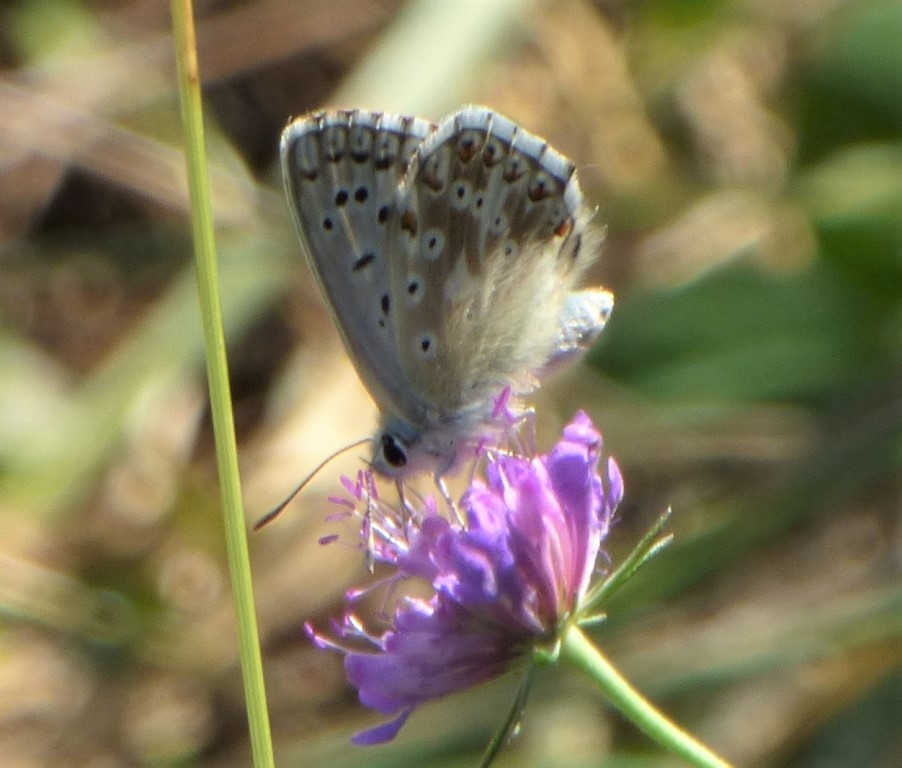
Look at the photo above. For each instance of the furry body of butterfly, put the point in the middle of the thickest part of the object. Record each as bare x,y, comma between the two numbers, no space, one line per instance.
447,255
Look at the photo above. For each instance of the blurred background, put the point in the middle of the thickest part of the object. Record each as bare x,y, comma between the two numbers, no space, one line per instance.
746,158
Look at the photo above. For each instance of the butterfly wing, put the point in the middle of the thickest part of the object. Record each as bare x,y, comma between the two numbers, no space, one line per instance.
583,318
491,236
341,171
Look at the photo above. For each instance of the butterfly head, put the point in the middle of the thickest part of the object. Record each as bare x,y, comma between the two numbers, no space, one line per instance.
401,449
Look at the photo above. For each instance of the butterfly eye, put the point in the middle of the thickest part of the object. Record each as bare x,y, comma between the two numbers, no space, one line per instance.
393,451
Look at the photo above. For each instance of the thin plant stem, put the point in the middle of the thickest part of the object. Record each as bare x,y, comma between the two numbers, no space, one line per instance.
217,374
577,651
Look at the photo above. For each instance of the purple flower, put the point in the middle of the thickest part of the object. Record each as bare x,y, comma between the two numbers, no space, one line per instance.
503,580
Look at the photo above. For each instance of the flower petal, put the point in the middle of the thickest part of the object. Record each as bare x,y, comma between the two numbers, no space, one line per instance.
383,733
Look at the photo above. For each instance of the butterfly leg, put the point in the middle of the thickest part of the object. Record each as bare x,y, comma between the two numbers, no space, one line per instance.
522,433
453,511
408,513
481,454
369,532
369,536
529,420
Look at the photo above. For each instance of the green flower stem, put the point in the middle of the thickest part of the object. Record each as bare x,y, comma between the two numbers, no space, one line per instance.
580,653
217,374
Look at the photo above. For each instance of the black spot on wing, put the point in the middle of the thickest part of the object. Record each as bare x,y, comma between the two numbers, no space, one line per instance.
363,261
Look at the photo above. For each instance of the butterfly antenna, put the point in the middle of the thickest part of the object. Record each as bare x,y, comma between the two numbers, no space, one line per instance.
274,513
368,528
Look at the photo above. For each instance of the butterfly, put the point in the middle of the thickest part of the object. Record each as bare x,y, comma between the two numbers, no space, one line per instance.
447,255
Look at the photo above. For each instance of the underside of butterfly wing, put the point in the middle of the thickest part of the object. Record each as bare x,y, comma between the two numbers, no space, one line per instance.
490,238
341,171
